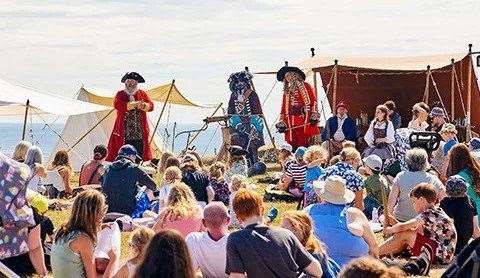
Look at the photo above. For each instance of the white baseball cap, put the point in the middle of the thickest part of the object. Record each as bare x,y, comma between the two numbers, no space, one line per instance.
286,147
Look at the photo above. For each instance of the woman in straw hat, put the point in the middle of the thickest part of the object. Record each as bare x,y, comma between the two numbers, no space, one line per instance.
344,230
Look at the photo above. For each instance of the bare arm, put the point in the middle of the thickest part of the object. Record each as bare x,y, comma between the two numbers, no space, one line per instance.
359,200
356,216
210,194
109,270
36,251
284,182
476,229
122,272
392,198
411,224
83,245
314,269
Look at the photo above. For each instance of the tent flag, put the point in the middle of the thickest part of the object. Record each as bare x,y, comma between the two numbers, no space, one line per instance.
13,99
156,94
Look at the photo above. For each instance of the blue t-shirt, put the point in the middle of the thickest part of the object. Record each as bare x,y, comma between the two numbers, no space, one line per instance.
449,145
313,174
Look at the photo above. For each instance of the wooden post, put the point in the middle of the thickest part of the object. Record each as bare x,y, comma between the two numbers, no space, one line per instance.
90,130
27,106
426,94
469,94
161,112
334,97
452,91
173,136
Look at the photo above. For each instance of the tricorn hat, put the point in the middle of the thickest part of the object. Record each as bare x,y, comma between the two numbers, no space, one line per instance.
242,75
281,73
133,75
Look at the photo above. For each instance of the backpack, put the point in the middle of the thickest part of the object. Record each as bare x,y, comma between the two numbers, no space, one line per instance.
467,262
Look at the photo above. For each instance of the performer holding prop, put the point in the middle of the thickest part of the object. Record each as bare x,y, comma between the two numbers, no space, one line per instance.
131,124
299,116
245,110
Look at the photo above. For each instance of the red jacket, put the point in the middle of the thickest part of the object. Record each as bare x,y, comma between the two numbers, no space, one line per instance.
117,139
307,103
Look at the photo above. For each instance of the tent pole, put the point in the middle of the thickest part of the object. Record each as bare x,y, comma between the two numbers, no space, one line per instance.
90,130
426,94
469,94
189,141
263,115
452,91
335,72
173,136
25,119
161,112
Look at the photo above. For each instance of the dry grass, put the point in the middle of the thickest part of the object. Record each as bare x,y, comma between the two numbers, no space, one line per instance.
58,217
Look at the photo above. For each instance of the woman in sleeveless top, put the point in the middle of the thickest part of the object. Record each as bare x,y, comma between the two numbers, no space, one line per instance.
60,164
344,230
380,135
72,252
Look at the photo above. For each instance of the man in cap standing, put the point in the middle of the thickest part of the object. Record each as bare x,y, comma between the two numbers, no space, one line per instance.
131,124
438,119
298,116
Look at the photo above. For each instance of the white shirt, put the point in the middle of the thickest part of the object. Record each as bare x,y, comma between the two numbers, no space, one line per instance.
339,136
369,137
207,254
417,125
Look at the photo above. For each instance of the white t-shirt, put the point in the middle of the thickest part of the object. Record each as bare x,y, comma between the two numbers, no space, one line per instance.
164,191
207,254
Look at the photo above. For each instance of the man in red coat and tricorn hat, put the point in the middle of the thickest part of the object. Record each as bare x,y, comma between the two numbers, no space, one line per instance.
299,116
131,124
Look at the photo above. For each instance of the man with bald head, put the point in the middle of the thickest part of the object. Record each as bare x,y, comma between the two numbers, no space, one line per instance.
208,249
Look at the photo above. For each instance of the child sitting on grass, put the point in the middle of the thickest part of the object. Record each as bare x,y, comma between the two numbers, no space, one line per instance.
431,228
461,209
238,182
138,242
217,189
375,184
316,157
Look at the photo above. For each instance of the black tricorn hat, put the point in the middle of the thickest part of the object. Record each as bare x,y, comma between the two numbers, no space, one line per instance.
237,150
281,73
133,75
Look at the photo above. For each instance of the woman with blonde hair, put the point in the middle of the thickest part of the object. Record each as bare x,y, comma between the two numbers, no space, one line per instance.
20,151
72,252
316,158
218,187
138,243
163,161
300,224
171,176
182,212
420,116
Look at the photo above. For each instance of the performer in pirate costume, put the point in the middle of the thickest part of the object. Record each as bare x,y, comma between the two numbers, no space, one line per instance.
131,124
245,110
380,135
298,116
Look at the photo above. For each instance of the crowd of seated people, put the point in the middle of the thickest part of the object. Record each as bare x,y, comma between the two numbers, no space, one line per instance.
212,221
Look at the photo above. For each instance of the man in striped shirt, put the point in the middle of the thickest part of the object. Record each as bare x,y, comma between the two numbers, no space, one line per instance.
295,173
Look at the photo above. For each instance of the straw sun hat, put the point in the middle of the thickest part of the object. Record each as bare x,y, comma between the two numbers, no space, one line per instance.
333,190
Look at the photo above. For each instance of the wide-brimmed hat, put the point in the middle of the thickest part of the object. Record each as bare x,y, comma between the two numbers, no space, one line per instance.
281,73
334,190
133,75
448,127
437,112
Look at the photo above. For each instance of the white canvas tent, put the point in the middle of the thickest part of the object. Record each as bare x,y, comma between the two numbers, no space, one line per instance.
14,97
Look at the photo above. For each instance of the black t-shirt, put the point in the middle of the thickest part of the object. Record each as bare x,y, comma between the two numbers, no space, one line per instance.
198,182
262,251
461,210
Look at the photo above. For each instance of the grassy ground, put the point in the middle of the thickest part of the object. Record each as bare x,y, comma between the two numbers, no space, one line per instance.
58,217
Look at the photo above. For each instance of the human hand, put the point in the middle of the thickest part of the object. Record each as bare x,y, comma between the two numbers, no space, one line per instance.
388,231
112,255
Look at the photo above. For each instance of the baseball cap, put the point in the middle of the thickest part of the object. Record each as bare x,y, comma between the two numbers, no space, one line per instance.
300,152
128,150
286,147
373,162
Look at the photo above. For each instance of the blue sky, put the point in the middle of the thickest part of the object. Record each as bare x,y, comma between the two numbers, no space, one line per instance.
59,45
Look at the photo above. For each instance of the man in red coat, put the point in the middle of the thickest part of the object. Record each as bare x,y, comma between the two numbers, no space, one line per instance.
131,124
299,116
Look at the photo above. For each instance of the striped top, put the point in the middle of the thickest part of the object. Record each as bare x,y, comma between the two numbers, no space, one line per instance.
297,171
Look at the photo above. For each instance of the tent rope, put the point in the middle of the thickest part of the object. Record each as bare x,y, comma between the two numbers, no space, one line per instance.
269,93
459,92
211,140
47,125
439,97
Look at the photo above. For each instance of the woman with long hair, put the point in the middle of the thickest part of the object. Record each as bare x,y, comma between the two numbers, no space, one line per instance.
182,213
462,163
34,160
20,151
419,117
138,243
300,224
166,256
72,252
380,135
60,165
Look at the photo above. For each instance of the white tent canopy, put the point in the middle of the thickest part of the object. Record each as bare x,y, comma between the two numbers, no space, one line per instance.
14,97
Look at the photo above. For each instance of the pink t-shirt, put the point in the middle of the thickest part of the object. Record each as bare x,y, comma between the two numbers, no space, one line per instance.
185,226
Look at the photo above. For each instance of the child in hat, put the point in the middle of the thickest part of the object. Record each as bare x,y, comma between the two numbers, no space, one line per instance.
461,209
449,134
375,184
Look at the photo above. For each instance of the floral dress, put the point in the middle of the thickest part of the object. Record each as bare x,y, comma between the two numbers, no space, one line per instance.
220,187
438,227
347,172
